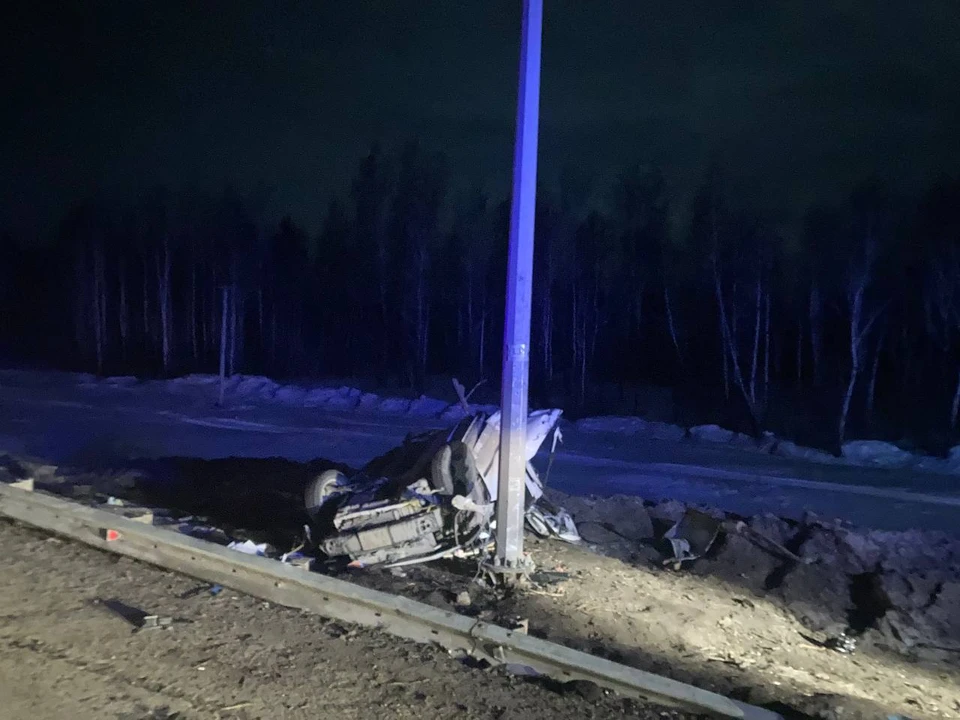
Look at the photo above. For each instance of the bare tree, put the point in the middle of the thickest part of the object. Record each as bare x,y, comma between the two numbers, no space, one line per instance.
874,370
163,265
861,320
943,310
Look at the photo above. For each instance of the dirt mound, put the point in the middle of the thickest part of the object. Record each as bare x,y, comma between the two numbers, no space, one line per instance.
899,590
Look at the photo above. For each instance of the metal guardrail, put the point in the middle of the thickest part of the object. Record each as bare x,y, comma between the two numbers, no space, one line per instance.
333,598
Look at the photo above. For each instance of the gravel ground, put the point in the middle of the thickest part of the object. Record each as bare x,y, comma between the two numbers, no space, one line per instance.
69,650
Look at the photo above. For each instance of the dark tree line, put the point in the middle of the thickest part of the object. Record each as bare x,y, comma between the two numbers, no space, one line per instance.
854,317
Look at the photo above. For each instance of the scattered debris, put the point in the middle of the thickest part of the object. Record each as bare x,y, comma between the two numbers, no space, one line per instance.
248,547
521,670
463,599
298,560
238,706
548,577
25,484
463,396
692,537
520,625
842,643
156,622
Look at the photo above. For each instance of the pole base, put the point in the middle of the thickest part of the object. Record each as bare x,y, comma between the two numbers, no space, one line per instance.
501,574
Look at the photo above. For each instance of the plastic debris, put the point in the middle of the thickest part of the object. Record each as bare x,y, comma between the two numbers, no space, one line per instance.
248,547
297,559
521,670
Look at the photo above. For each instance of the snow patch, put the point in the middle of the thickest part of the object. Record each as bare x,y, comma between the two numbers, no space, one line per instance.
453,413
712,433
789,449
369,401
394,405
291,395
611,424
256,386
878,453
427,407
618,425
346,398
121,381
195,379
865,453
319,396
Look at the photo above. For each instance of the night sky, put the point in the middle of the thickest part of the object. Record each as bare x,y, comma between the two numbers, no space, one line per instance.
797,100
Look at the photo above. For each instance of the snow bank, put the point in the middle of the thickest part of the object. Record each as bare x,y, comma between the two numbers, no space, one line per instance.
319,397
122,381
878,453
291,395
346,398
611,424
394,405
617,425
193,380
862,453
427,407
255,386
789,449
712,433
369,401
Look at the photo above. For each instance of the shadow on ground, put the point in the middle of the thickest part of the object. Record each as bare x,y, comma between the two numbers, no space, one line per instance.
262,496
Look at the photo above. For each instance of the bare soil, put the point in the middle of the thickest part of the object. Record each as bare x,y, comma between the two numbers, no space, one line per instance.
69,648
713,624
700,630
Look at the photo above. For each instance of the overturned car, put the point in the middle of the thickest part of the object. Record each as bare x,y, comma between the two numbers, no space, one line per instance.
432,497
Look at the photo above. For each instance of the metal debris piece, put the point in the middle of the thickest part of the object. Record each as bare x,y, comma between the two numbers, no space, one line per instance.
156,622
692,537
521,625
841,643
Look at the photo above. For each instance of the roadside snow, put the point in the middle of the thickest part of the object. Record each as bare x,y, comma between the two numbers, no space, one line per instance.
876,452
70,420
631,426
856,453
712,433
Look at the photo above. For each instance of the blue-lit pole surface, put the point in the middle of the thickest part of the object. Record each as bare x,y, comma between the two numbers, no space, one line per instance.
516,336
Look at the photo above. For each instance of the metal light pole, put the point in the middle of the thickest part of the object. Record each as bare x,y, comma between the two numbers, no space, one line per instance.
516,336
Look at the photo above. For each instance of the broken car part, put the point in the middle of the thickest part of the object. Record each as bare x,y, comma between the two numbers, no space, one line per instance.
692,537
433,496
